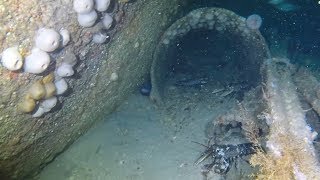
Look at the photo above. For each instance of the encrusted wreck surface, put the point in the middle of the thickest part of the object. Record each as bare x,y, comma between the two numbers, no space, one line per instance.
223,22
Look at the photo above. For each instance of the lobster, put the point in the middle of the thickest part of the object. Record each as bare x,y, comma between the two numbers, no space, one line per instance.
223,156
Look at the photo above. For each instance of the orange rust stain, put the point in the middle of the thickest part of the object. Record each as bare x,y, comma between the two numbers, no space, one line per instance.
13,75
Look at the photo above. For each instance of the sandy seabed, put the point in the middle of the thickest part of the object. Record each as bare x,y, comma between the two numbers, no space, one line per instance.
137,143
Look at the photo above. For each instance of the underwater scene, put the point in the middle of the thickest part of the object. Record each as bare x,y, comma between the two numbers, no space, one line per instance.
159,89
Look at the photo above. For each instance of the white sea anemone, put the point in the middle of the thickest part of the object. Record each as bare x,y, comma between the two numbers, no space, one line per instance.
65,34
101,5
99,38
61,86
107,21
114,76
45,106
83,6
65,70
12,59
254,21
88,19
49,103
37,61
47,39
69,58
39,112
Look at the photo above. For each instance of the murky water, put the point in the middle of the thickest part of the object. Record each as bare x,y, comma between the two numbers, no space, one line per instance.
209,75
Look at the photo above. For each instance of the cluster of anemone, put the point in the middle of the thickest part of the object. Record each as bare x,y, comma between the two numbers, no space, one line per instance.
87,16
46,40
41,96
87,12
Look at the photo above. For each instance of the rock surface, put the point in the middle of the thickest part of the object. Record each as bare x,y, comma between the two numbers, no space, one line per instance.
26,143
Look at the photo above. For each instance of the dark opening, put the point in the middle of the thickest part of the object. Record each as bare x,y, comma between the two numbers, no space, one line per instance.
208,63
